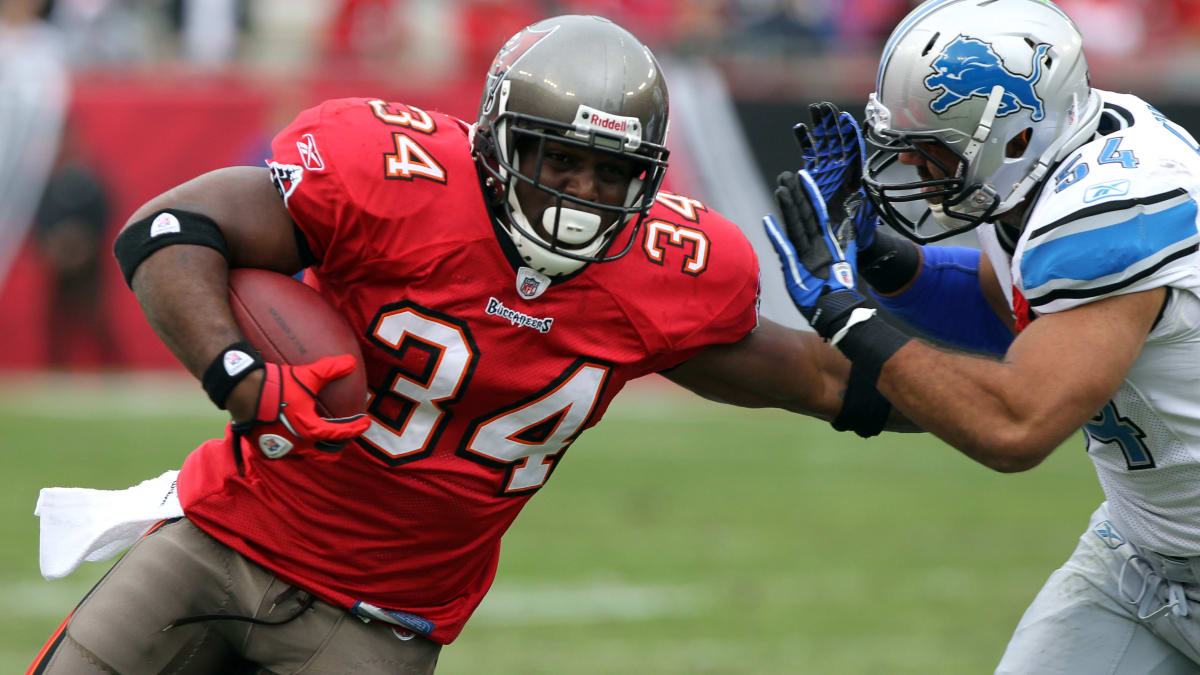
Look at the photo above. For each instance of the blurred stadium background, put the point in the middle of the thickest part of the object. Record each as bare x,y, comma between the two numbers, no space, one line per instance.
741,541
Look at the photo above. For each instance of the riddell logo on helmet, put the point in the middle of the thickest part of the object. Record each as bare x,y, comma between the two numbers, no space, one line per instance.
589,119
610,123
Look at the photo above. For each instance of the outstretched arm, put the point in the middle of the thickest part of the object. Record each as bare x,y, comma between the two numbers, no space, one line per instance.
1008,415
774,367
1011,414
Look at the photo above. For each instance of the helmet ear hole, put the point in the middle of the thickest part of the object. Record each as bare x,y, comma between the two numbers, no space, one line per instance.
1017,145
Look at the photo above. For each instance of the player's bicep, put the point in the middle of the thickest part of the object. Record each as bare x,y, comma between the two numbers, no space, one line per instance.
773,366
1079,357
246,206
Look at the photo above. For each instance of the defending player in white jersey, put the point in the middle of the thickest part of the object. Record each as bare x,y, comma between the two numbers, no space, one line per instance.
1085,203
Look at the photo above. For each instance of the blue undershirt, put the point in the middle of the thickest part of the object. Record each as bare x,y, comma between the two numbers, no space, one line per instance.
946,302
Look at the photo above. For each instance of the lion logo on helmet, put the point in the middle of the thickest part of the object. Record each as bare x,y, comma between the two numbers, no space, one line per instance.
969,67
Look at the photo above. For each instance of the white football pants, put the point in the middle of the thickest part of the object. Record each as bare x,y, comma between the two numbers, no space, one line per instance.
1086,620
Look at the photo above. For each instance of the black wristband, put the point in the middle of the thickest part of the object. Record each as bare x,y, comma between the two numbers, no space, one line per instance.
832,311
165,228
864,409
231,366
890,262
870,343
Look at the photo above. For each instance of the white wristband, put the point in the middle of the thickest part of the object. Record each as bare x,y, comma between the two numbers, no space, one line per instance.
859,315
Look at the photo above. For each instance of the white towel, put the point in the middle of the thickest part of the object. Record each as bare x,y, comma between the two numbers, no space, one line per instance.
80,524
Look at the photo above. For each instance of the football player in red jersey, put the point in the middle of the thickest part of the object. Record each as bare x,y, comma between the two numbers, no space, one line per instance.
506,279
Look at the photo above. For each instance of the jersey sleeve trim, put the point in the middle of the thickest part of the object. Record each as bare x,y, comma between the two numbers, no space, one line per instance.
1125,115
1103,249
1097,291
1092,211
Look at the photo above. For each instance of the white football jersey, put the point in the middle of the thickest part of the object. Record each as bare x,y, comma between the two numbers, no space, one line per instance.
1120,216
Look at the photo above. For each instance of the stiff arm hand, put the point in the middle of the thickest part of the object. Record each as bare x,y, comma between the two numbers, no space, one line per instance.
832,150
819,272
818,268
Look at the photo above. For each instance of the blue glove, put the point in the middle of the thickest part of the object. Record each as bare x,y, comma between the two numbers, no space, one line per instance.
832,149
818,268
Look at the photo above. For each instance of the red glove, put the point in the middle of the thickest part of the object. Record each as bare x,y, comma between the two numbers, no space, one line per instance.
287,417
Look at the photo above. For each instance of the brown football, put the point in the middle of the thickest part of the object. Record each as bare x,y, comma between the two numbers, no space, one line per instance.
289,322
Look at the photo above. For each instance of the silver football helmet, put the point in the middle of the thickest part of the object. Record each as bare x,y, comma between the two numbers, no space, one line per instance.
586,82
1002,84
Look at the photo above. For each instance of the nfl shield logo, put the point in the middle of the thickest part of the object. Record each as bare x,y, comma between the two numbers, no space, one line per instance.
531,283
843,274
274,446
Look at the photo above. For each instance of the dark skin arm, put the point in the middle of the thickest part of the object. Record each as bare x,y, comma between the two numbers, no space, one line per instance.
183,290
773,367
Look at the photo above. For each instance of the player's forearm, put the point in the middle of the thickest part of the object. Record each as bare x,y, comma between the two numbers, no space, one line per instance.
984,410
797,372
899,422
183,291
772,367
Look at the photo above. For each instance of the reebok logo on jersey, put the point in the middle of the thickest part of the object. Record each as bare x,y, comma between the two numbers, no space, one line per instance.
309,156
1113,188
497,308
165,223
1108,534
236,361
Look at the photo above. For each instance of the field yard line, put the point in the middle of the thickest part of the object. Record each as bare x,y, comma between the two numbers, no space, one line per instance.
507,604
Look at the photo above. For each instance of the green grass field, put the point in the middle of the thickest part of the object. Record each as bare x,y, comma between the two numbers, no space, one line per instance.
678,537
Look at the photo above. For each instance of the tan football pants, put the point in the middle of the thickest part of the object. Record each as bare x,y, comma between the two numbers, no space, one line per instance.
179,571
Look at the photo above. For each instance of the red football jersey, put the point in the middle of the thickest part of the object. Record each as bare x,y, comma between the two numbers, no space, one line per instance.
475,391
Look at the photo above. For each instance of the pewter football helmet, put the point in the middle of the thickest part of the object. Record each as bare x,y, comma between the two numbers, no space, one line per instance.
586,82
971,76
